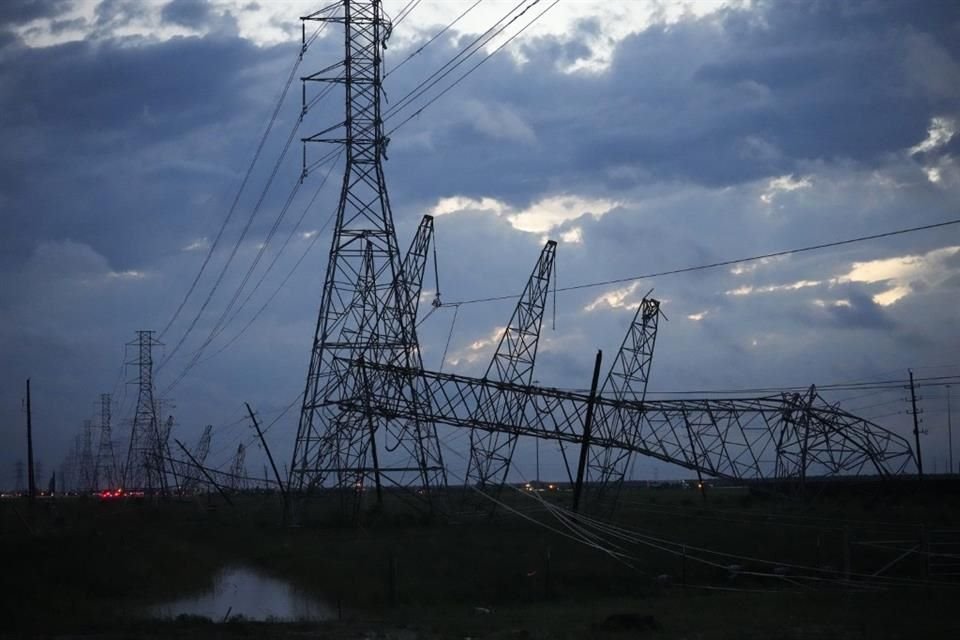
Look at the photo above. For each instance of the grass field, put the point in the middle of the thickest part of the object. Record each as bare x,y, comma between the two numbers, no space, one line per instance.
83,566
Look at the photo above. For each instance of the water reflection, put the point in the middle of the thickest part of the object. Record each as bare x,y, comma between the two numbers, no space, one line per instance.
242,591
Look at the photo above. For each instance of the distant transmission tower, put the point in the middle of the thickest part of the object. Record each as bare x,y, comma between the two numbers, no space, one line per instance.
18,476
188,474
366,312
86,464
238,469
145,457
105,476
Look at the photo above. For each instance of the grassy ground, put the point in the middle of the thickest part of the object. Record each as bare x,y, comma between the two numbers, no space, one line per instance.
90,567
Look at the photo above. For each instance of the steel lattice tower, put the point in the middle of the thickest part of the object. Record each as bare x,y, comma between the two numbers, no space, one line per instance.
105,475
86,463
491,452
365,311
144,468
238,469
626,381
187,473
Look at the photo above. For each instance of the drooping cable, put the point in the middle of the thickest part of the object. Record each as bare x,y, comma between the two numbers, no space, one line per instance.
243,183
728,263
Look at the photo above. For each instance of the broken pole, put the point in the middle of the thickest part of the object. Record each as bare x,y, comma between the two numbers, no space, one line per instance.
587,425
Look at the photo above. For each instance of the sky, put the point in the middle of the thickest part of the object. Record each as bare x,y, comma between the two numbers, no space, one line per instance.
642,136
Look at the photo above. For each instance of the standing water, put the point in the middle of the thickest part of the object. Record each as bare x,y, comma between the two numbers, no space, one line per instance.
241,591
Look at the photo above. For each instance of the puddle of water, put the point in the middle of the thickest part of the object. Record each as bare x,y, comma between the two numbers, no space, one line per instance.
245,592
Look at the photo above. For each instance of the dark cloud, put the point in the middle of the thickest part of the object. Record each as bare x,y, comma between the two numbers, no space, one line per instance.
59,26
717,101
117,13
20,11
131,151
126,131
188,13
859,312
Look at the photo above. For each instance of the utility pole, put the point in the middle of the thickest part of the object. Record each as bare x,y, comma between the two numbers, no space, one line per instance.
276,473
953,469
587,425
18,477
205,473
31,480
916,426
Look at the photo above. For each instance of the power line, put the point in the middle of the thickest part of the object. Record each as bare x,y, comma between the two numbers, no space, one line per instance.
282,248
474,67
236,198
263,307
430,41
872,385
406,11
727,263
459,58
237,244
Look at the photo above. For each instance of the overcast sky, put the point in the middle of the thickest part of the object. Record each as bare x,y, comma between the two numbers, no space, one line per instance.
642,136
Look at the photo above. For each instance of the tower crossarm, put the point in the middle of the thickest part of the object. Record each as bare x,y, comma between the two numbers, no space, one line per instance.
728,438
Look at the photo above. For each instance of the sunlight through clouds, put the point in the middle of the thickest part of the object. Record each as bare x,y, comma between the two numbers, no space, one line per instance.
539,217
901,275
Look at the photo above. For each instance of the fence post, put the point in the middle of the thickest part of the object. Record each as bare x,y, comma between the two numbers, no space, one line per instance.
846,553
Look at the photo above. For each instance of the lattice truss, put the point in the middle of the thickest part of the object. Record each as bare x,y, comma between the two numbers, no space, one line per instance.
369,301
148,451
492,451
769,437
367,394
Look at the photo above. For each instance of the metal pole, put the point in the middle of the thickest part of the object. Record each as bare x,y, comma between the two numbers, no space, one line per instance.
283,491
204,472
587,425
537,443
31,481
916,426
953,469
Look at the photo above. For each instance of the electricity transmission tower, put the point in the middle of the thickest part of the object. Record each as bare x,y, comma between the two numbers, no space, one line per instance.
626,381
145,457
18,477
370,410
369,301
238,469
86,463
491,452
188,476
105,474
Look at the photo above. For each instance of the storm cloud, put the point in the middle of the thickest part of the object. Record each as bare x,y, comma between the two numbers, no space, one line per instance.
732,133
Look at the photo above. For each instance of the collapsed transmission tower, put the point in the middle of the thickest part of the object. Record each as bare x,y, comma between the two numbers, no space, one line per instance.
491,452
238,469
105,474
368,307
370,410
626,380
146,455
189,479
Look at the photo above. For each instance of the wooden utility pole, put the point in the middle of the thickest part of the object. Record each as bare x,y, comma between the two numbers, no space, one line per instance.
587,425
31,480
916,426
